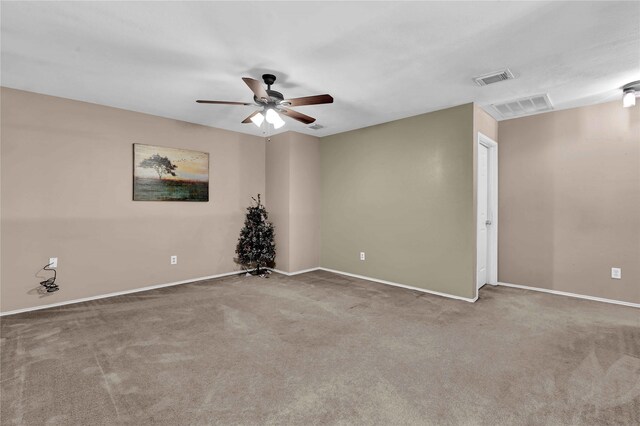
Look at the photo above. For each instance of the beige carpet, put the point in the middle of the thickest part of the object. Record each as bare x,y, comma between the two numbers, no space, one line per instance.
321,349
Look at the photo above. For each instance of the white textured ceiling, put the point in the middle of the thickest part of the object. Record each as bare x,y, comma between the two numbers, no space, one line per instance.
381,61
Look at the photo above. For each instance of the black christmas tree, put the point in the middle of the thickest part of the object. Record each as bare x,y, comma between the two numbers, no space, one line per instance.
256,247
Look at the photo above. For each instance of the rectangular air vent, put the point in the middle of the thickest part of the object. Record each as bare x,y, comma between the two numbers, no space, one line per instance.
494,77
523,106
315,126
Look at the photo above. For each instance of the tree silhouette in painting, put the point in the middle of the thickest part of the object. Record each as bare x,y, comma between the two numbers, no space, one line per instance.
162,165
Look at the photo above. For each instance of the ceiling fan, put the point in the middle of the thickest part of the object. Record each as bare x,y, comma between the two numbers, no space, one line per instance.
273,103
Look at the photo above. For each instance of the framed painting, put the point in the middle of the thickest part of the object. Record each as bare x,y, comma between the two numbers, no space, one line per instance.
169,174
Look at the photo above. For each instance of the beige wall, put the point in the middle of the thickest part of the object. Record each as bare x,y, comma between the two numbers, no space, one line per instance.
278,193
304,210
293,199
484,123
67,192
569,194
402,192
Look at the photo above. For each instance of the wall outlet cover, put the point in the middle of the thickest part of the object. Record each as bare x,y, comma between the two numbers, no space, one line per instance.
174,260
616,273
362,256
53,262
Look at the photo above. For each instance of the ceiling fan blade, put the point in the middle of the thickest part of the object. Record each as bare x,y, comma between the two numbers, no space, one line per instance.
200,101
297,116
248,119
309,100
256,88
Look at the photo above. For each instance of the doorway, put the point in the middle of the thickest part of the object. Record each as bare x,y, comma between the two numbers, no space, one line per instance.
487,212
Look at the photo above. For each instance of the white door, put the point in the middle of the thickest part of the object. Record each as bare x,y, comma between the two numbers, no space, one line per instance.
483,216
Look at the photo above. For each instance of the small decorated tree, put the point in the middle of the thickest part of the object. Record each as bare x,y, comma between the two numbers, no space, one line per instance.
256,246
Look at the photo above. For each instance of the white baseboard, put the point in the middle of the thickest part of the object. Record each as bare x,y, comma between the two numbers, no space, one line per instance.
362,277
290,274
437,293
118,293
578,296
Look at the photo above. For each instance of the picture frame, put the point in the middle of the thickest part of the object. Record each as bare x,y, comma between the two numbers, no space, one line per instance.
170,174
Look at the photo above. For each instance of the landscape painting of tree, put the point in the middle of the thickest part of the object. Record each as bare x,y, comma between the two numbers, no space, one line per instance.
169,174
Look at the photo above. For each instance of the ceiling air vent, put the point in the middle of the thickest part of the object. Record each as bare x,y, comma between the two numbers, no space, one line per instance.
494,77
524,106
315,127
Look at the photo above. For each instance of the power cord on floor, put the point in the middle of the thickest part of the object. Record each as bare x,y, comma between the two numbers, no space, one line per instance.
50,284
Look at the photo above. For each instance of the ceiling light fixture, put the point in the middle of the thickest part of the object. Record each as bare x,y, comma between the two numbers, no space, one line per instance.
629,93
629,98
271,116
274,118
257,119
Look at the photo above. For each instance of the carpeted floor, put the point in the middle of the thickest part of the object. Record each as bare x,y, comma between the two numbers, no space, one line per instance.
321,348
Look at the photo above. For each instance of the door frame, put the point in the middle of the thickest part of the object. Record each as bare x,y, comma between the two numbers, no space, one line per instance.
492,237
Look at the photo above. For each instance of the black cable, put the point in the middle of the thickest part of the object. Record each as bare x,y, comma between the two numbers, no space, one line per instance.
50,284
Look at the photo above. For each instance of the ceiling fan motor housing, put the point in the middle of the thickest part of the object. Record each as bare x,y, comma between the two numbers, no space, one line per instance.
274,97
268,79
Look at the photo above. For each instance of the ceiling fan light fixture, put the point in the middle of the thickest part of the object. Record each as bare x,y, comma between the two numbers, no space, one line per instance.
274,118
278,123
629,98
257,119
629,93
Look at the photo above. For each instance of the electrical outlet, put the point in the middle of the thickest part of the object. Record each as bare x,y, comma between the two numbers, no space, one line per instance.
53,262
362,256
616,273
174,260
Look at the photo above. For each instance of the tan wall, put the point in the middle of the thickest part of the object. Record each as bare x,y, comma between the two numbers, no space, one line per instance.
569,195
278,193
484,123
304,210
403,193
67,192
293,199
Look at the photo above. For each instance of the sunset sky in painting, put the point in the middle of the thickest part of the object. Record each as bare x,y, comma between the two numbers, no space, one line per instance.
192,165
